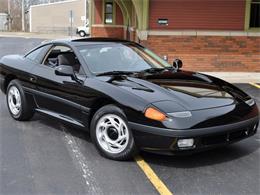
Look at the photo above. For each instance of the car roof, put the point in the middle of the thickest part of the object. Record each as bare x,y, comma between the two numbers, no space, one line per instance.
88,41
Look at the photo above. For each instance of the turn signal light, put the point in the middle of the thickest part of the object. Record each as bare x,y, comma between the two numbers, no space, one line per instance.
154,114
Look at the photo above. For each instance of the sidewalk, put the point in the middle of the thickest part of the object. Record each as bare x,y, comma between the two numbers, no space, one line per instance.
36,35
237,77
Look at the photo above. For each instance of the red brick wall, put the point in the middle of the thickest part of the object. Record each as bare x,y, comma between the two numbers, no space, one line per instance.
119,16
113,32
98,8
210,53
107,30
198,14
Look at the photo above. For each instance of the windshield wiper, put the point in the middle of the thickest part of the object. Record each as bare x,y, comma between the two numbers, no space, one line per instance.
153,70
149,70
115,73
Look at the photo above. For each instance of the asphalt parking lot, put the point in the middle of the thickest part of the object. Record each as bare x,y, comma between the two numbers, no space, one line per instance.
44,157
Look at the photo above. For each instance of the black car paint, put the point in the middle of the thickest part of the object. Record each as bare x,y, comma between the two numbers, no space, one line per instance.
169,91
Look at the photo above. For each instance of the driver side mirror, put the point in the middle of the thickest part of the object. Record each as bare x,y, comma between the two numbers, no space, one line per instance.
177,64
63,70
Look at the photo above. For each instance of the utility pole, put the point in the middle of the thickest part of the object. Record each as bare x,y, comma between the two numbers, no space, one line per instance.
9,14
23,23
90,16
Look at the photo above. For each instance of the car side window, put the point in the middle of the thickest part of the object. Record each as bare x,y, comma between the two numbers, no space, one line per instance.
63,55
37,54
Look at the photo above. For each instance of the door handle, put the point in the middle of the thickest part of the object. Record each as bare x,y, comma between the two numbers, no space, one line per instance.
33,79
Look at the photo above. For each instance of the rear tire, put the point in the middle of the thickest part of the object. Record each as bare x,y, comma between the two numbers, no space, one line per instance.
82,33
111,134
19,107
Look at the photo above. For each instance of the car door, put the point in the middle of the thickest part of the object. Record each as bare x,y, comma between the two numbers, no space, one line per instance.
31,59
59,96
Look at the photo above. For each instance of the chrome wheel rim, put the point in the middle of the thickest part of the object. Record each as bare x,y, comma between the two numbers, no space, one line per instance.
112,133
14,100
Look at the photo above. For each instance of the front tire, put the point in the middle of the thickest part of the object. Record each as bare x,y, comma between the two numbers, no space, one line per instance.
111,134
19,107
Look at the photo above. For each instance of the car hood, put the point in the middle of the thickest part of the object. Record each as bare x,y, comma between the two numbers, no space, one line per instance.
190,90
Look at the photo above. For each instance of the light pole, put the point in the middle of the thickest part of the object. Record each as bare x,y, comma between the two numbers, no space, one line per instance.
23,24
9,15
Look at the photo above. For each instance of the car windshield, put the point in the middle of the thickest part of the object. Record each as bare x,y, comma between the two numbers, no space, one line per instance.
103,58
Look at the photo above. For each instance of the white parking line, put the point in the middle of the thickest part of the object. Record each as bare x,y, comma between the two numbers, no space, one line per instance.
81,162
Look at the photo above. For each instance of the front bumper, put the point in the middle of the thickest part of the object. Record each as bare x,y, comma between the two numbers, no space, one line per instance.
164,140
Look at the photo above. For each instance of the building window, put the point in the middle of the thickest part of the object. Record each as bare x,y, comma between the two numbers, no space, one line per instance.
254,14
109,13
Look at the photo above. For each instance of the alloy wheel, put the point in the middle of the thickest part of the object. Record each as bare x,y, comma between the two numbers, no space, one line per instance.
112,133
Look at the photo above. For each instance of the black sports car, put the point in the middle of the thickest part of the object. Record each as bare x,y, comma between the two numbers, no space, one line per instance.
127,97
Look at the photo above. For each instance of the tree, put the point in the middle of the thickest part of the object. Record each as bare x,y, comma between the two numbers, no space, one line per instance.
16,10
3,6
16,14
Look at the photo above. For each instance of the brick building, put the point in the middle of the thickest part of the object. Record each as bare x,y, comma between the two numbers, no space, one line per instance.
208,35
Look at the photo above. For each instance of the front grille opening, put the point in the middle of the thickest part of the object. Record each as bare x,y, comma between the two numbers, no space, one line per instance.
212,140
238,135
228,137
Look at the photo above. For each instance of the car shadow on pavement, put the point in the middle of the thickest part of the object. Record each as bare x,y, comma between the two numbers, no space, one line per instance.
216,156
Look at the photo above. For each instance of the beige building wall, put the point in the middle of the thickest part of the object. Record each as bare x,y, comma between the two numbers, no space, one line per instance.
54,17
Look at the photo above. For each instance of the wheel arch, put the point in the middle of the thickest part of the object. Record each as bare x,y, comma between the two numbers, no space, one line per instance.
7,80
101,103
